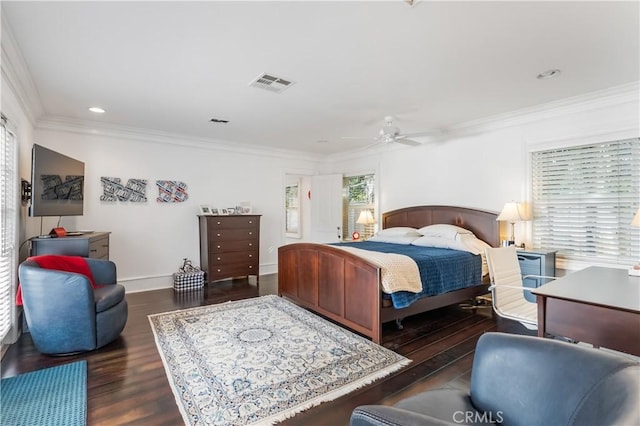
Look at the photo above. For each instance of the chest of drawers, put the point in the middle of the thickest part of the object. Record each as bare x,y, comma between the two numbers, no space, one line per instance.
229,246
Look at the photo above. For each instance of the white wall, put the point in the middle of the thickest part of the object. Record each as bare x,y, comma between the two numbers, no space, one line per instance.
149,240
491,166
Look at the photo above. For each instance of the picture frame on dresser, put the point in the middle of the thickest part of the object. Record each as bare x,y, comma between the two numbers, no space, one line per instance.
205,210
223,211
244,208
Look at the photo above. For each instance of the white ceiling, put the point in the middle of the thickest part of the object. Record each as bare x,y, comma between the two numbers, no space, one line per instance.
172,66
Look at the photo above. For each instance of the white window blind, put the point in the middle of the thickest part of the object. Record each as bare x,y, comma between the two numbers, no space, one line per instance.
8,205
584,199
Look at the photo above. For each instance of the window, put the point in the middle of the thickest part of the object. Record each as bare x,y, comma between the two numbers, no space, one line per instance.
359,195
292,210
584,198
8,206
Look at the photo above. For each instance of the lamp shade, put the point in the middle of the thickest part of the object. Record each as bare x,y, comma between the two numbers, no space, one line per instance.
636,219
366,218
510,213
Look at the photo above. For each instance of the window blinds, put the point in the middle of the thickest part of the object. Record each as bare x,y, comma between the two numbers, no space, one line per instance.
359,195
584,198
8,205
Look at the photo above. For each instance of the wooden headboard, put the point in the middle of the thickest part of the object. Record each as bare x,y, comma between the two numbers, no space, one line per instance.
482,223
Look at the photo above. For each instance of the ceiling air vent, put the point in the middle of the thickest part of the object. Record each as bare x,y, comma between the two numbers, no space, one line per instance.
271,83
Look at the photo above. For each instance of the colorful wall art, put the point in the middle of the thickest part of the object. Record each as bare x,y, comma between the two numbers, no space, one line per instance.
171,191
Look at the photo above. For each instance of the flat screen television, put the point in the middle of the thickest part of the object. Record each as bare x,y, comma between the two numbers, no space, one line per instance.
57,184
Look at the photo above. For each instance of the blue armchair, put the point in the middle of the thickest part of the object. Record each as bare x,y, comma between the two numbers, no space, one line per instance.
65,314
524,380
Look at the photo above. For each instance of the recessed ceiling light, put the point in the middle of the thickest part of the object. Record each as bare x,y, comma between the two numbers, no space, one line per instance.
97,110
549,74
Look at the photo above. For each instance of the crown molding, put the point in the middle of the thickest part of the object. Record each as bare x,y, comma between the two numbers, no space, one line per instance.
16,74
155,136
617,95
614,96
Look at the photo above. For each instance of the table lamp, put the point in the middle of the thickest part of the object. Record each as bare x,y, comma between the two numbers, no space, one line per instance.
635,222
511,213
366,218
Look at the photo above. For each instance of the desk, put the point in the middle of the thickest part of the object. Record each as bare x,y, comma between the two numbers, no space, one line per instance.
596,305
91,244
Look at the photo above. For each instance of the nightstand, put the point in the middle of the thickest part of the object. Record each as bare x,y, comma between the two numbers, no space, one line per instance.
536,262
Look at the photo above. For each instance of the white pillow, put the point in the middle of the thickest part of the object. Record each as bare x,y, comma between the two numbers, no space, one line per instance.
399,231
474,245
464,242
440,242
394,239
443,231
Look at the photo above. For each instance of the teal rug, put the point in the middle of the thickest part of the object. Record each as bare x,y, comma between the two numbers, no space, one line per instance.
55,396
261,361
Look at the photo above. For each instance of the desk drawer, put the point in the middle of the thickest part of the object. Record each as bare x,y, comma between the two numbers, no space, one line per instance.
99,249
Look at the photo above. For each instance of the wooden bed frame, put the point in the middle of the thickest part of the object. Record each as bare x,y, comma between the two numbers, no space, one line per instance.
346,288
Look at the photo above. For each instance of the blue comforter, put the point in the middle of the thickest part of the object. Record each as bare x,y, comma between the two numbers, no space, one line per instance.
441,270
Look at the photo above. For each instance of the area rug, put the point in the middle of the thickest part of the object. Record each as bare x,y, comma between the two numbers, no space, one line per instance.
52,396
261,360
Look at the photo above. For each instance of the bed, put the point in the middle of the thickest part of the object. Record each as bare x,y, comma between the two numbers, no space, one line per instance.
347,288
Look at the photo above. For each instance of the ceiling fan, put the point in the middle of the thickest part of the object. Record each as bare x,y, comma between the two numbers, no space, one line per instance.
390,133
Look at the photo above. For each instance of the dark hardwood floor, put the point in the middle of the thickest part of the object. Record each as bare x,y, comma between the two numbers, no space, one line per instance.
127,383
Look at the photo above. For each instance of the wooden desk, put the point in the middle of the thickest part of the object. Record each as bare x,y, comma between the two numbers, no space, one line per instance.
91,244
596,305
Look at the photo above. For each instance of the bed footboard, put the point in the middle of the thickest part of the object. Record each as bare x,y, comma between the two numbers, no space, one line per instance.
332,283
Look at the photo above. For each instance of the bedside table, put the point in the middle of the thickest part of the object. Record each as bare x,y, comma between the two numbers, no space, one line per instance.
536,262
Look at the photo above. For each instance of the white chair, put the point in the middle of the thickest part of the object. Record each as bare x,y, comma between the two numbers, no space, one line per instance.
507,289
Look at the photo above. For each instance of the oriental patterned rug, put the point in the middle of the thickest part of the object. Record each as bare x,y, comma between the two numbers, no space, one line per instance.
261,360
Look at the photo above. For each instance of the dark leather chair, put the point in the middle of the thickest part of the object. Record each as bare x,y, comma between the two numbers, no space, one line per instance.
65,314
524,380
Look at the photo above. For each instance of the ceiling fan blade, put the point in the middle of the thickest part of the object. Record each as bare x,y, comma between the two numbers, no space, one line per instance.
409,142
418,134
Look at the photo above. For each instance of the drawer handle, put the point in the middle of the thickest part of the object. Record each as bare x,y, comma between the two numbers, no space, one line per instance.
250,233
93,250
250,255
250,267
219,270
250,221
250,244
218,234
218,247
218,259
219,222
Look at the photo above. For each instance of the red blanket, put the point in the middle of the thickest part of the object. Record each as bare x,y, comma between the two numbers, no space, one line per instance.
74,264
